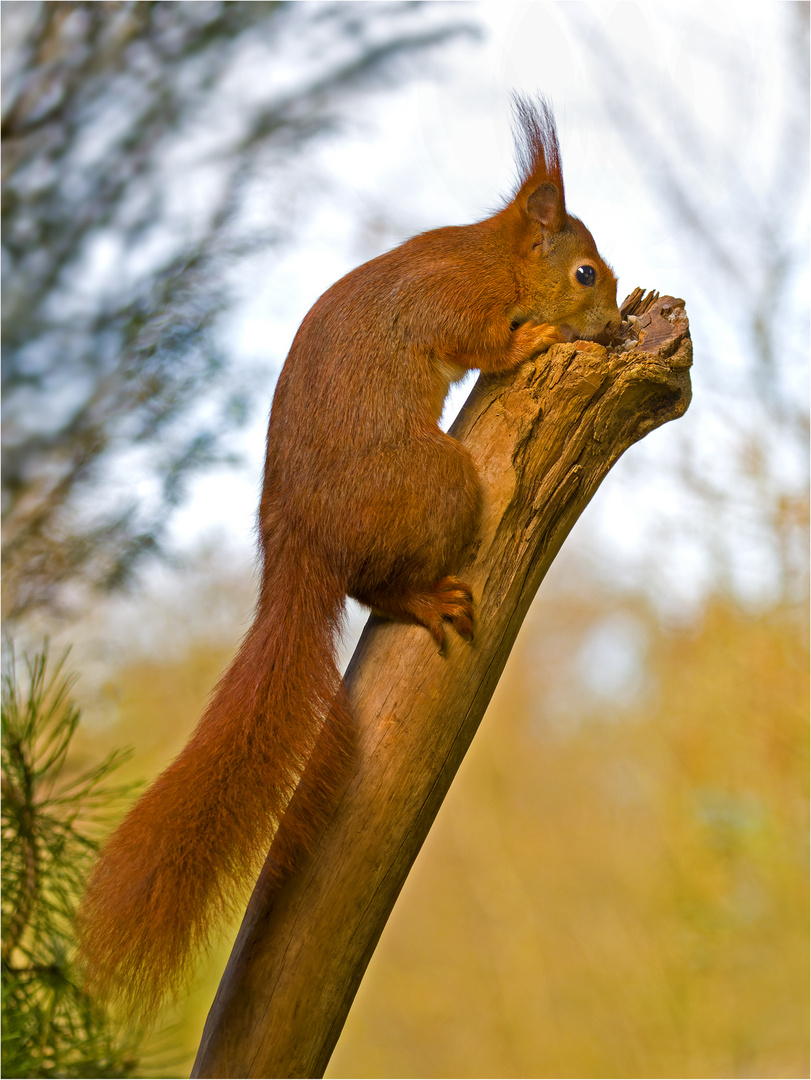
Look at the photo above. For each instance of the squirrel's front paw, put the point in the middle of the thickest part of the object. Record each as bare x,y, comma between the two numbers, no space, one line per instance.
536,338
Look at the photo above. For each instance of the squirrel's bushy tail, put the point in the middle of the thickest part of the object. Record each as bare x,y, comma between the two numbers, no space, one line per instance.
189,846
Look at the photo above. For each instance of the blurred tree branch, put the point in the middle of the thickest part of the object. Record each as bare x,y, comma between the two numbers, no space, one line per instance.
132,146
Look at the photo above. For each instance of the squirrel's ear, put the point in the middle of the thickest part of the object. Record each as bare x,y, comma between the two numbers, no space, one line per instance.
545,206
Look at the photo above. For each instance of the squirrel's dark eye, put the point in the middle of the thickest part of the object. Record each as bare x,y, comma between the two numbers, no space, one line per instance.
586,275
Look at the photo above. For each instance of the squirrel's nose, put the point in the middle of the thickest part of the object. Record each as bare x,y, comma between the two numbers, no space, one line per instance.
609,330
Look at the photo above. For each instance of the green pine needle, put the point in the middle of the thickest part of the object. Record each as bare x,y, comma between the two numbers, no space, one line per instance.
52,816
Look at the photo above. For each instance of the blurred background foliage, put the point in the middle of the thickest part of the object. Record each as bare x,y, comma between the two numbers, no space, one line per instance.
617,883
115,266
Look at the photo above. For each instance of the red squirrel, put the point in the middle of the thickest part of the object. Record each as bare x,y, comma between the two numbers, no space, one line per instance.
363,496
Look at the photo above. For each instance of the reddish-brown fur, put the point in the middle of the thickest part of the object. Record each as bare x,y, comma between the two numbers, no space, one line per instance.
363,496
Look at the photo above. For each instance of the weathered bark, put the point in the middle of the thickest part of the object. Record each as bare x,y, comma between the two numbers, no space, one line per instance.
543,439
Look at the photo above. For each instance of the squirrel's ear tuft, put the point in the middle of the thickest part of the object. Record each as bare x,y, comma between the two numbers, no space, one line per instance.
536,145
545,206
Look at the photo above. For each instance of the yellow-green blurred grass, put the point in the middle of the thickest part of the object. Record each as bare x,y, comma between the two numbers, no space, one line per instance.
152,707
609,890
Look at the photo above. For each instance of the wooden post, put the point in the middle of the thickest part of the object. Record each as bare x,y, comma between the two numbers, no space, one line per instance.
543,438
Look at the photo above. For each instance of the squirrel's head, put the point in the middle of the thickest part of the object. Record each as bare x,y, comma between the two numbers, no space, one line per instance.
560,275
